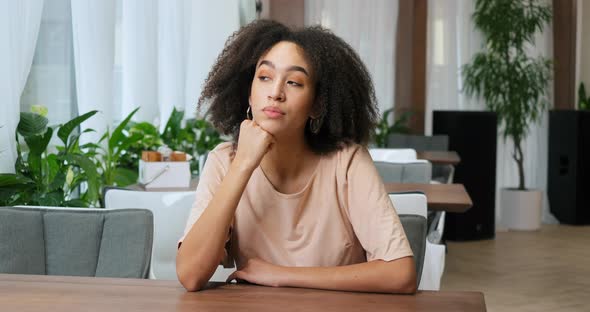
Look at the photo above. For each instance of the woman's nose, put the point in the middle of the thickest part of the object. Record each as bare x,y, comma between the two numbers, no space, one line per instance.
277,93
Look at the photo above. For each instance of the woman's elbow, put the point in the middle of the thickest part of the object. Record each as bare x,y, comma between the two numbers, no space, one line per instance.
187,278
410,286
406,281
190,282
409,279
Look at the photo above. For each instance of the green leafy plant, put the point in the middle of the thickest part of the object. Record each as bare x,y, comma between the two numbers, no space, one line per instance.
116,144
149,141
385,128
512,83
192,136
75,174
46,178
583,100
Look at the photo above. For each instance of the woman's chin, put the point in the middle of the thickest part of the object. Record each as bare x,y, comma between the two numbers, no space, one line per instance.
273,127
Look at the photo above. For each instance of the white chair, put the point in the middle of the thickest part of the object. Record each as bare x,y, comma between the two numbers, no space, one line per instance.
171,211
398,155
434,254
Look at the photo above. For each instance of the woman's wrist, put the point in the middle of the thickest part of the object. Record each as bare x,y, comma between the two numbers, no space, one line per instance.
241,166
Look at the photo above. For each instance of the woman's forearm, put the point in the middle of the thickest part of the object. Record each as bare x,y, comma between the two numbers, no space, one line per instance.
397,276
203,247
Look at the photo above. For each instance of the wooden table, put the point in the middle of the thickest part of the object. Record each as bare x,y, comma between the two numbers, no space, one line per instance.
60,293
440,157
440,197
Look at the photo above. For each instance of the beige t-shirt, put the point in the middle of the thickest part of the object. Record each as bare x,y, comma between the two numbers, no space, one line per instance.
342,216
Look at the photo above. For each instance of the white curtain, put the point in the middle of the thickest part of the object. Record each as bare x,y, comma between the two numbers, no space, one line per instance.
452,42
19,27
93,30
140,58
206,39
168,48
370,28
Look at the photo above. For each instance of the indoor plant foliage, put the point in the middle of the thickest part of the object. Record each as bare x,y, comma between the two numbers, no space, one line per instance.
73,174
583,100
512,83
50,178
385,128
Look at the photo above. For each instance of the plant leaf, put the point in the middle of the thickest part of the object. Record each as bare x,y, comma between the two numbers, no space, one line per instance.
89,168
117,136
13,180
31,124
66,129
125,177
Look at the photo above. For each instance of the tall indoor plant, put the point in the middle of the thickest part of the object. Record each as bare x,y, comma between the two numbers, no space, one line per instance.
514,85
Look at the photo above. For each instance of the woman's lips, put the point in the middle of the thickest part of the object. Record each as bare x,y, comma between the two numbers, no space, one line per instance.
273,113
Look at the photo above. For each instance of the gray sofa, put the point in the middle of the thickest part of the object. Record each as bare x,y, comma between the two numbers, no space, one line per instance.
79,242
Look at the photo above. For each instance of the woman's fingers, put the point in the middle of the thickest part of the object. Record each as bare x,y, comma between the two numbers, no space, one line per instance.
236,275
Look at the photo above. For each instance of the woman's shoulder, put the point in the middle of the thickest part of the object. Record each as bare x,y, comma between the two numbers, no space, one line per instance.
222,154
348,155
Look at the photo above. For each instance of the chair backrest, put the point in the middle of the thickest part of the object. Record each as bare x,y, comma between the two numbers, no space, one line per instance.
419,171
79,242
418,142
393,154
411,209
170,210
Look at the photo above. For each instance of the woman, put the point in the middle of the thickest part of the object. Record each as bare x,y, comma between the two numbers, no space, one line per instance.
295,200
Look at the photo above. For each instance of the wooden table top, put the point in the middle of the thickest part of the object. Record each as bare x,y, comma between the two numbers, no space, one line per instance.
440,197
440,157
61,293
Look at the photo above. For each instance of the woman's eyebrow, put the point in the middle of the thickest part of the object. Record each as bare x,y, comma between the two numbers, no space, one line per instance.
290,68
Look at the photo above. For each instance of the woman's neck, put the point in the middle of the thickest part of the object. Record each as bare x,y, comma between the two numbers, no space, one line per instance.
289,160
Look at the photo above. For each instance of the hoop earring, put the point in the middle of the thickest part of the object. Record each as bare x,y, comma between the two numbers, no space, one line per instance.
314,125
249,114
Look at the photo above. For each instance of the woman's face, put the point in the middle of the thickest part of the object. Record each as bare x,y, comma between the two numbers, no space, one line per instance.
282,91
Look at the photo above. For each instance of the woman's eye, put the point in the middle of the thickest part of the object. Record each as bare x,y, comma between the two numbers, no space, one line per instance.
293,83
263,78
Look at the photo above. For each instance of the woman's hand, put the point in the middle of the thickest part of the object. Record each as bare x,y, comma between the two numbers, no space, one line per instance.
253,144
259,272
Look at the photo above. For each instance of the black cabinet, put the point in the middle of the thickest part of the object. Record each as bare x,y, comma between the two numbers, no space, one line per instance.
472,134
568,183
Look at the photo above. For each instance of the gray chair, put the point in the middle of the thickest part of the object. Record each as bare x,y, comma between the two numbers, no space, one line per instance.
411,209
440,173
78,242
418,142
413,172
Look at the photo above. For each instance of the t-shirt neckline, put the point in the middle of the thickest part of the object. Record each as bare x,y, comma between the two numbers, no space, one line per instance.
291,195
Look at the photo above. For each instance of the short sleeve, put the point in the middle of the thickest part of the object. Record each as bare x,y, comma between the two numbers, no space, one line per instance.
213,172
373,218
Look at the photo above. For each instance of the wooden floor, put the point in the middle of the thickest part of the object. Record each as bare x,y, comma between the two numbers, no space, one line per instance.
546,270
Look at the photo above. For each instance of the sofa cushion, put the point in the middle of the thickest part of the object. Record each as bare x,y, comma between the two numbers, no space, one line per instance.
124,244
22,245
72,241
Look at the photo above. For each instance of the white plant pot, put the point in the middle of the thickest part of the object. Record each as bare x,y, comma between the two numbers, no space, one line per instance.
522,209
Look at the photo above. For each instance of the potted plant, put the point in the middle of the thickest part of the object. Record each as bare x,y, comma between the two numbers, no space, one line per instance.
514,86
385,128
583,100
49,178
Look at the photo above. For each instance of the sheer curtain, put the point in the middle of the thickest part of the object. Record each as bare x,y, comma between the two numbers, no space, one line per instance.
370,28
452,42
168,48
93,30
19,27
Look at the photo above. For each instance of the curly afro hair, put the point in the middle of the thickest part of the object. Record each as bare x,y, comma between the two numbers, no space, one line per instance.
344,98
